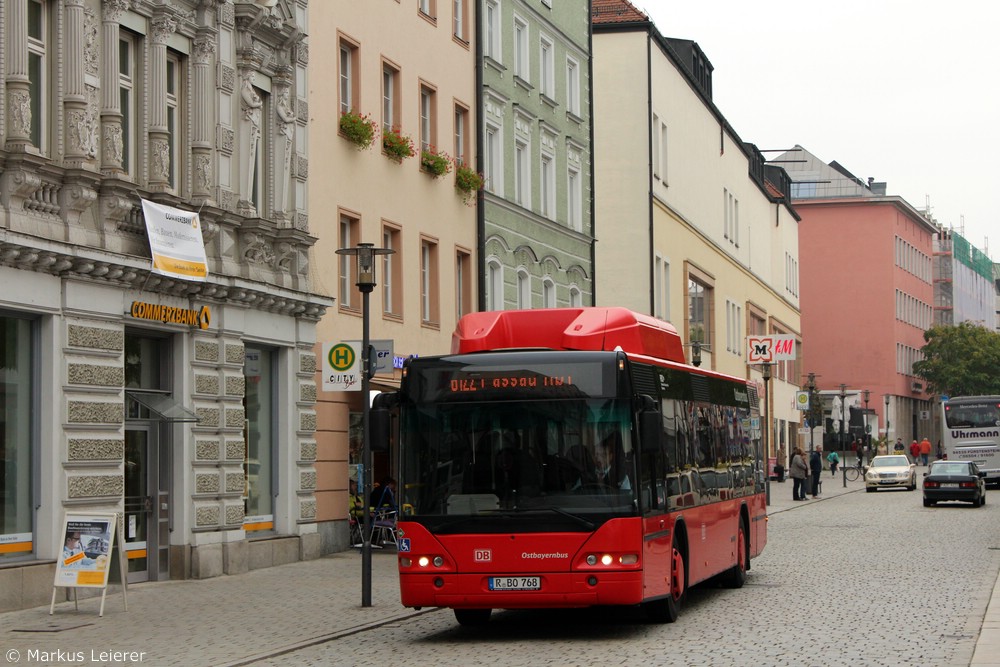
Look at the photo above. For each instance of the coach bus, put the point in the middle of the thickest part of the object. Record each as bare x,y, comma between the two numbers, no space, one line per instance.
571,458
971,432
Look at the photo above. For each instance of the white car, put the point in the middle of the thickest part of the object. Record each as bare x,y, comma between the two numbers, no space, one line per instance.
889,471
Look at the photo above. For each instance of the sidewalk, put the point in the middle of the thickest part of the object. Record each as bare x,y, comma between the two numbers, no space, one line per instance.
231,620
208,622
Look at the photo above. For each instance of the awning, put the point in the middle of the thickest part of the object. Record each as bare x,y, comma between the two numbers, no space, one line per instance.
161,407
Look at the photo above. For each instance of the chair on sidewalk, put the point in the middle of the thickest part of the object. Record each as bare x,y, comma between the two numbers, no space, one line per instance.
384,527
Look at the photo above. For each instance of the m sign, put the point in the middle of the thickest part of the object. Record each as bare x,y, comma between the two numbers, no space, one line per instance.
765,349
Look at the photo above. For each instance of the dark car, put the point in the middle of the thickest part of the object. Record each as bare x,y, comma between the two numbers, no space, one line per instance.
954,480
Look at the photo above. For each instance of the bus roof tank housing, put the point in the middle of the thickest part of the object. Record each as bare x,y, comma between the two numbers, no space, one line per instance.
597,328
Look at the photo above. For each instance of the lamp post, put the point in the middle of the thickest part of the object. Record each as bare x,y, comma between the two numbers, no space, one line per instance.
366,253
843,409
887,423
812,427
866,394
765,372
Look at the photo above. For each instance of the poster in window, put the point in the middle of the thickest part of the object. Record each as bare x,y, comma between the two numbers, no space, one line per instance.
85,557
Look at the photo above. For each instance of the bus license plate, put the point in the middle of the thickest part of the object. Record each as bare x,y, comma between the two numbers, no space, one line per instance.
515,583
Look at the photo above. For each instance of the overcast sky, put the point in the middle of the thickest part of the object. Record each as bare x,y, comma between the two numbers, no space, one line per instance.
905,91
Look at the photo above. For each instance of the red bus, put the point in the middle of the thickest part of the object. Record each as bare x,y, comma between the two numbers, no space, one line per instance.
570,458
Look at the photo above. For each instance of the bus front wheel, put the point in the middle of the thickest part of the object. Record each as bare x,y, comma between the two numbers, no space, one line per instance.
666,610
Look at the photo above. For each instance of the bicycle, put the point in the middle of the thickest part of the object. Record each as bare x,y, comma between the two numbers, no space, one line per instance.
855,471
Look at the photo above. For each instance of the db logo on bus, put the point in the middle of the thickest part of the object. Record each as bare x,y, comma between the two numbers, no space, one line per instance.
482,555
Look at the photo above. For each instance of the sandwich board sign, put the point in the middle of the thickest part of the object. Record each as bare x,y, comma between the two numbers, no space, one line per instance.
91,545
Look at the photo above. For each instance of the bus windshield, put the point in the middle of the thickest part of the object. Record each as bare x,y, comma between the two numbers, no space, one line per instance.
972,415
556,459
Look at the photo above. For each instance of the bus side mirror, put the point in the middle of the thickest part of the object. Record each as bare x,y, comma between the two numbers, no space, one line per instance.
378,425
380,420
650,429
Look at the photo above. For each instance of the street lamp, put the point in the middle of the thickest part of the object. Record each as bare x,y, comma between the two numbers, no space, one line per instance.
866,394
843,409
696,348
765,372
887,423
812,426
366,253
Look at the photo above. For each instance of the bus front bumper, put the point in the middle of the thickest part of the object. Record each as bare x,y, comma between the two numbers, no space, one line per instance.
555,589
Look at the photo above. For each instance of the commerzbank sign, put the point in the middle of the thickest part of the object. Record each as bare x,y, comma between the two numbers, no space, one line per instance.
155,312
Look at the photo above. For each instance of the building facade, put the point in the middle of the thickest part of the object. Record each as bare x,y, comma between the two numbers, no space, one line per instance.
963,282
394,137
184,406
867,289
690,224
536,238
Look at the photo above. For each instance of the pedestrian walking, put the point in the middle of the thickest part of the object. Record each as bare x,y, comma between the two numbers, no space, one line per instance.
915,451
799,472
925,450
940,451
816,469
833,458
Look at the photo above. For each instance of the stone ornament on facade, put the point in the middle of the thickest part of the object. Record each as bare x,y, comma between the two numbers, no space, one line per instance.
112,10
19,112
203,172
91,57
113,144
160,164
256,249
251,104
204,50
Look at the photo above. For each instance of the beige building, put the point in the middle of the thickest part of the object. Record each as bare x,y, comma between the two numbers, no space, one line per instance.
406,72
691,226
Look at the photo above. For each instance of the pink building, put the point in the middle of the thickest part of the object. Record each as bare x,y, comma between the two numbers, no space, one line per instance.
866,291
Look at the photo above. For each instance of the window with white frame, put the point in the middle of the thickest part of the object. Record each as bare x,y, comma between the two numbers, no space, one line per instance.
661,288
547,184
791,274
523,288
348,71
734,328
463,283
349,235
522,63
428,8
655,137
548,293
390,96
494,284
522,172
699,311
175,125
392,293
459,13
574,198
663,152
575,297
429,302
491,31
461,147
428,115
38,66
546,67
128,91
493,160
572,85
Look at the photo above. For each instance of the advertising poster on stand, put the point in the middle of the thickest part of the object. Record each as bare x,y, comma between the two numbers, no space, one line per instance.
85,558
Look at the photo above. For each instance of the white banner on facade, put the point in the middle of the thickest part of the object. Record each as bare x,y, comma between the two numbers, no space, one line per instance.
175,242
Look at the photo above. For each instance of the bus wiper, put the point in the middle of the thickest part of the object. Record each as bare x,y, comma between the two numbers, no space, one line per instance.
525,510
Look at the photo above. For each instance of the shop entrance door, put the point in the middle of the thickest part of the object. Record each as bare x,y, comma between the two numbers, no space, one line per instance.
147,504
